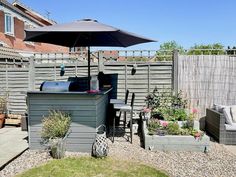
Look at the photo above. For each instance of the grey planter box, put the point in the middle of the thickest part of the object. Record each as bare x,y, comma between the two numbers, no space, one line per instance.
174,142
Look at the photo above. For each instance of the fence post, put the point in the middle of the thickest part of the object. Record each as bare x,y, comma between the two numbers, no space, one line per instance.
7,86
175,71
76,67
6,69
148,78
125,77
55,68
31,73
100,61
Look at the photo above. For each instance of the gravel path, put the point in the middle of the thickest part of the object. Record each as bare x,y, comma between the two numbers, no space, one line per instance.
218,162
28,159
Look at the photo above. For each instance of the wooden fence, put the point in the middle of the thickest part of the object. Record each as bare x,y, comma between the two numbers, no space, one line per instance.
207,79
204,79
16,81
147,77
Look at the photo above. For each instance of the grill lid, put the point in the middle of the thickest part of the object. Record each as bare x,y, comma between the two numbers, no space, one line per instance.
55,86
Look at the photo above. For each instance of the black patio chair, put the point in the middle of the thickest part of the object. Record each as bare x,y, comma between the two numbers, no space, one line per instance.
124,108
119,101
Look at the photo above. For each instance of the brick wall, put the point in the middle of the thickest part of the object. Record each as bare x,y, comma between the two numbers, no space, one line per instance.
2,22
17,42
19,28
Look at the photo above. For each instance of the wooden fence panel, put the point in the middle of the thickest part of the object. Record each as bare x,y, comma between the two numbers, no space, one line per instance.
207,79
148,75
15,82
146,78
51,72
204,79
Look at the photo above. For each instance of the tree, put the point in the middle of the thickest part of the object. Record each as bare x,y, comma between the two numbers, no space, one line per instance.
210,49
166,50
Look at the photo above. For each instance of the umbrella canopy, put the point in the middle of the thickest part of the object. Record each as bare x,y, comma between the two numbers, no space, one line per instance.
84,33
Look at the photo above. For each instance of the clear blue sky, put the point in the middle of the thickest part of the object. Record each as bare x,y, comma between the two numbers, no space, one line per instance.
188,22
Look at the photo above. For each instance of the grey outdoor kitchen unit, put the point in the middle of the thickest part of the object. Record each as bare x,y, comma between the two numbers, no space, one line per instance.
88,111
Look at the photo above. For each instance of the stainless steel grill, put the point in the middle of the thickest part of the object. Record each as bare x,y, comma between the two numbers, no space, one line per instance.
56,86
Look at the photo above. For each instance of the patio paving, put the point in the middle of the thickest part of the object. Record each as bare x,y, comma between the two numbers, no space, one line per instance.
12,142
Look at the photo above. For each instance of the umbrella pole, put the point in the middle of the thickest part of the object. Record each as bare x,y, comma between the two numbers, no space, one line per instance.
89,77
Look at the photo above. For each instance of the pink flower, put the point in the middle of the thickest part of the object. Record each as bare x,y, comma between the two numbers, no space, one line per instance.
194,110
164,123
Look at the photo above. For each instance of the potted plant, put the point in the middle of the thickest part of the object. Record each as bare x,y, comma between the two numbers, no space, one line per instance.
3,106
55,130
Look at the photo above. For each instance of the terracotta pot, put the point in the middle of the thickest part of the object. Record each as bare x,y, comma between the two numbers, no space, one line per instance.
2,120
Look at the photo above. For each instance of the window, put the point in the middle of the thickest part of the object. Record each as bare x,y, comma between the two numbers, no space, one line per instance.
9,24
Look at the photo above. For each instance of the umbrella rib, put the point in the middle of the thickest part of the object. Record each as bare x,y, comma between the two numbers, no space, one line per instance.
109,34
76,40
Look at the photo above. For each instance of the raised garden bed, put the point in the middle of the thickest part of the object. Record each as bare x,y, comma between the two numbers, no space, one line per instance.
174,142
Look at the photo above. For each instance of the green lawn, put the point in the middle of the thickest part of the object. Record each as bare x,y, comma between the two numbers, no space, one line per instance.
86,166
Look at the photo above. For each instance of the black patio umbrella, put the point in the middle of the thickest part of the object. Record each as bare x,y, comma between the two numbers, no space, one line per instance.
84,33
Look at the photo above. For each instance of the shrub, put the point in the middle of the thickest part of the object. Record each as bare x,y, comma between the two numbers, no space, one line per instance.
153,99
172,114
165,99
180,114
167,106
185,131
173,128
153,125
55,125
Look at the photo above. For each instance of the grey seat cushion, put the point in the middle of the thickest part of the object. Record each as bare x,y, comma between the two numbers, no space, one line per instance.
219,107
233,113
122,107
227,114
230,127
117,101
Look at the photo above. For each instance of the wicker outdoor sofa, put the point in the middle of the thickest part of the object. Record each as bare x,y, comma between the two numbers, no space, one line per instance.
216,127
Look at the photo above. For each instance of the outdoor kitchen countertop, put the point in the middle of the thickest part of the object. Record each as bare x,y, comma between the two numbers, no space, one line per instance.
100,92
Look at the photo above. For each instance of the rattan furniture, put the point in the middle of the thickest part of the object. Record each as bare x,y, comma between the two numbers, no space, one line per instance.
215,126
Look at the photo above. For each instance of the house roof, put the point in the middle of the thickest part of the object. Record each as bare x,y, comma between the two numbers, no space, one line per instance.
32,13
28,13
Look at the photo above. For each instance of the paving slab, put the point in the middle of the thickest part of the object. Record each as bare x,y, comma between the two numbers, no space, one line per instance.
14,142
